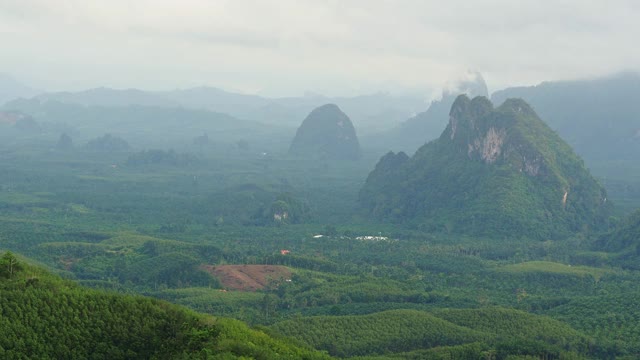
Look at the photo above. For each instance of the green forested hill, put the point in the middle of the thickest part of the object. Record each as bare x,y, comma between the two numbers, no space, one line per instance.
154,228
491,330
625,237
326,132
492,171
45,317
514,325
624,241
600,119
386,332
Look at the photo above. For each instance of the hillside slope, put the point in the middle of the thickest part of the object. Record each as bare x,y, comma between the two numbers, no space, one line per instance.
481,331
326,132
492,171
599,118
45,317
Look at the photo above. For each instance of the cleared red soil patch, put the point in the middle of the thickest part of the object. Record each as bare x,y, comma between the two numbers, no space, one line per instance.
248,277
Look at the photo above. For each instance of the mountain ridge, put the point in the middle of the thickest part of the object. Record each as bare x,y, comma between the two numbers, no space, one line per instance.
492,171
377,110
599,118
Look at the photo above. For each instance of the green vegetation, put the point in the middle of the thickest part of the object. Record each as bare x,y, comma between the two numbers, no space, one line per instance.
555,268
65,143
494,172
148,125
45,317
160,157
166,224
380,333
611,319
326,132
507,325
625,237
607,109
108,143
501,331
624,242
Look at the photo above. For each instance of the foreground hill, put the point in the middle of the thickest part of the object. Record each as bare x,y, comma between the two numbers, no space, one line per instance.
44,317
492,171
444,334
326,132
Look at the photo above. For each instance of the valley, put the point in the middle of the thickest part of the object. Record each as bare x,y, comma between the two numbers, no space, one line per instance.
495,240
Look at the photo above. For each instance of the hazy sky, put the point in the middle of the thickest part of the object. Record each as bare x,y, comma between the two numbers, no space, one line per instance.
286,47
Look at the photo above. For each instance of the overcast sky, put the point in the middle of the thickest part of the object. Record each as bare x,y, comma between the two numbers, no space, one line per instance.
287,47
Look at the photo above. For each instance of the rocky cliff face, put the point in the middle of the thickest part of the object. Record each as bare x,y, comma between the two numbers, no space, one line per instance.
409,135
326,132
493,170
491,138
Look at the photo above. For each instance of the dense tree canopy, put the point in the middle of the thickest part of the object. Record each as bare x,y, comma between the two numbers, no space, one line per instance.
492,172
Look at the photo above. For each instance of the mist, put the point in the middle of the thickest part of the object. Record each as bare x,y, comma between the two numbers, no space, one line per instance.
332,48
319,179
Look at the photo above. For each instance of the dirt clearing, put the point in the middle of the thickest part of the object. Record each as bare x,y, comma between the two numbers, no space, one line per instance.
248,277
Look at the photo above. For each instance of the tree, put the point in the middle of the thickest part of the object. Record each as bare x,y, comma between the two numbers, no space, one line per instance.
65,143
269,304
9,265
330,230
242,144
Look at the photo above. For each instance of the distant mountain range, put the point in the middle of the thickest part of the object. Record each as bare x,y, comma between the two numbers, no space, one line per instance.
599,118
371,113
427,125
11,89
143,125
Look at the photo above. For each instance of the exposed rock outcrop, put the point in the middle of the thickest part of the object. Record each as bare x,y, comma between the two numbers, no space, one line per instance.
492,171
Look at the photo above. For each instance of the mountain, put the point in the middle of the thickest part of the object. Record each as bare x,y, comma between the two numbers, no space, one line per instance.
493,171
19,121
109,98
599,118
371,113
379,111
326,132
45,317
11,89
625,236
415,131
625,241
144,126
65,143
427,125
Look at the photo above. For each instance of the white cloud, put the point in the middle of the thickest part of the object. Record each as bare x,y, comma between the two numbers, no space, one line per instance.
336,47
